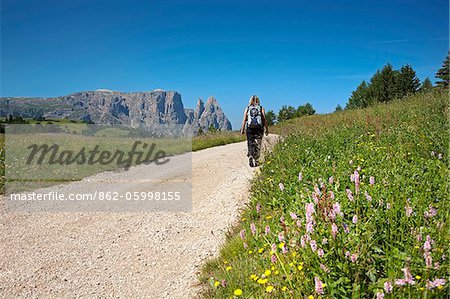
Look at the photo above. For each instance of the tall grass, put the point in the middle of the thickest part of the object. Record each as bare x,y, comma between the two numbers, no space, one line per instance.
349,205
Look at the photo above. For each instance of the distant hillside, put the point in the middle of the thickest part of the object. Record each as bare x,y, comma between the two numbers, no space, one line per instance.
113,107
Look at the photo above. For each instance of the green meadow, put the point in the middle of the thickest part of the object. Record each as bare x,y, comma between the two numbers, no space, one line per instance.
352,204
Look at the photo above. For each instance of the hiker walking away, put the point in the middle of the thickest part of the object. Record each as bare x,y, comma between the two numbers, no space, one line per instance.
253,124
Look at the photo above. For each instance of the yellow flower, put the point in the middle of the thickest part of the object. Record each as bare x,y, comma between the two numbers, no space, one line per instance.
294,254
269,289
238,292
260,250
254,277
216,283
417,247
272,268
300,268
324,285
262,281
291,264
268,217
310,297
277,272
418,277
243,219
284,289
250,251
228,268
422,288
440,287
281,245
267,272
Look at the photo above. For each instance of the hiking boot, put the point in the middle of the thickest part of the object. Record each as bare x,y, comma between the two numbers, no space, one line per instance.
255,163
250,162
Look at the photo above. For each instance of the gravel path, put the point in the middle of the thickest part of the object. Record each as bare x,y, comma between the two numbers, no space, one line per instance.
126,255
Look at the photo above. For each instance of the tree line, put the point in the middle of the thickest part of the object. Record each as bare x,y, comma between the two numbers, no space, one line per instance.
388,84
289,112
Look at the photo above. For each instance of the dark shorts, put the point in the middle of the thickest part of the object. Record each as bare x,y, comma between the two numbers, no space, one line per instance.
254,139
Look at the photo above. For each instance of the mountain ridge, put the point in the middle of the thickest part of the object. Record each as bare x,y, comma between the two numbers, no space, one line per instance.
102,106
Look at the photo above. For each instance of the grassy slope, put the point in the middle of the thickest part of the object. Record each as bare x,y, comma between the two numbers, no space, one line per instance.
215,139
404,146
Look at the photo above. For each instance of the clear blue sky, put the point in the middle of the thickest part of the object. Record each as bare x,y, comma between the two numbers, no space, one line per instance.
288,52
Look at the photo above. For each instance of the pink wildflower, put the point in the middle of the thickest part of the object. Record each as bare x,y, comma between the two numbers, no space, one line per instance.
350,162
318,285
349,194
355,219
299,223
317,190
320,252
324,268
253,228
293,216
347,254
431,212
337,209
315,198
353,257
408,210
310,227
408,277
303,241
388,287
300,176
258,207
273,259
438,282
380,295
281,186
267,229
242,234
274,247
331,180
400,282
372,181
280,237
284,249
428,259
427,244
313,245
357,181
334,230
324,241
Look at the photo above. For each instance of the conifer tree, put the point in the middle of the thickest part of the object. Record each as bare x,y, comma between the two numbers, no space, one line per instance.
359,97
442,73
407,81
426,85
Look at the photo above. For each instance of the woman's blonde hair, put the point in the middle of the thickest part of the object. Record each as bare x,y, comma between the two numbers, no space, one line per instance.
254,101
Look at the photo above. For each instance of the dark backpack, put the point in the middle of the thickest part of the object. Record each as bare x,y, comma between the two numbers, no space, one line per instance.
254,117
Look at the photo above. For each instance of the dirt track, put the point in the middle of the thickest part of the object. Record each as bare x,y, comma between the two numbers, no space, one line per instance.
126,255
